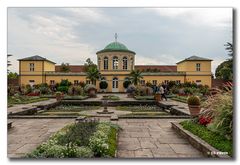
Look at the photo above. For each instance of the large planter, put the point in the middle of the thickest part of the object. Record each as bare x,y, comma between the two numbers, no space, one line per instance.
194,110
59,97
92,93
157,97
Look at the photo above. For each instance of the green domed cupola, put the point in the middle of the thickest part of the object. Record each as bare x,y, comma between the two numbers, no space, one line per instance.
115,47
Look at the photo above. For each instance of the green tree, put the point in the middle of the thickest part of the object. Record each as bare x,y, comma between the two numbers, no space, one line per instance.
12,75
89,64
65,67
225,69
93,74
135,76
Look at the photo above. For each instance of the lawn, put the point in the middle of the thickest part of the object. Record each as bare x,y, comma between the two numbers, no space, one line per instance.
219,142
80,140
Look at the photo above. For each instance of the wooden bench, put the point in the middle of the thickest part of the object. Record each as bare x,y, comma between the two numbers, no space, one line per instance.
80,119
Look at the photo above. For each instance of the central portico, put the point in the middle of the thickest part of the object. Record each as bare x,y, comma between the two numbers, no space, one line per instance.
115,62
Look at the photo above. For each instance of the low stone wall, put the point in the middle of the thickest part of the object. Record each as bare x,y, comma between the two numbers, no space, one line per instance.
198,143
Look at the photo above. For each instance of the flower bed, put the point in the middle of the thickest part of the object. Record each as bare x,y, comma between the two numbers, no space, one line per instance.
218,141
80,140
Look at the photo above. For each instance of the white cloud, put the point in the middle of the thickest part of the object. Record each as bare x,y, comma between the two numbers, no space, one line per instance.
219,17
157,60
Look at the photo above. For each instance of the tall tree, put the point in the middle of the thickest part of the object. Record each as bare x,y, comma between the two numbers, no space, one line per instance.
92,71
135,76
225,69
93,74
65,67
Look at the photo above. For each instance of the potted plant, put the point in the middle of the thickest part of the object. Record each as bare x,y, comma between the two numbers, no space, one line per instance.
131,91
59,96
103,86
194,105
157,96
91,90
126,83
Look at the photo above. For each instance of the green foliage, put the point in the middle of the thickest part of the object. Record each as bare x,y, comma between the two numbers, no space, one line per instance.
126,83
19,99
63,89
214,139
12,75
136,76
225,69
103,142
220,108
144,97
64,67
193,100
85,139
65,83
103,85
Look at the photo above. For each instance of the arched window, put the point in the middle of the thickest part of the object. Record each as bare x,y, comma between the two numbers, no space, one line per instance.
125,63
105,63
115,62
99,63
115,83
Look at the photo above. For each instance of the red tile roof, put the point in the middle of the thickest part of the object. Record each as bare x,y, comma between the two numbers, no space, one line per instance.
73,68
162,68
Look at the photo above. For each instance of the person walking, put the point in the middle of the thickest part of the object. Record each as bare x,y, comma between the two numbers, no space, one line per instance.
162,91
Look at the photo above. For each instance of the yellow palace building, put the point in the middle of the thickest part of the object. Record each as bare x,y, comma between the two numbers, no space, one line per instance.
115,62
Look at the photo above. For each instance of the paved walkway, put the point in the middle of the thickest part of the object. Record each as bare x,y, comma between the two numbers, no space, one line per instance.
152,138
22,107
27,134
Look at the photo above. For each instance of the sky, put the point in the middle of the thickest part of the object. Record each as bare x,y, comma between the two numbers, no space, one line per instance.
159,36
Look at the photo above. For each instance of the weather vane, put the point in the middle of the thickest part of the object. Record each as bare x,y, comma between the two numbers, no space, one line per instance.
116,36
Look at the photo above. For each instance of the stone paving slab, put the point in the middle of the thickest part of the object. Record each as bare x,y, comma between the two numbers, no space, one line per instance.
158,140
27,134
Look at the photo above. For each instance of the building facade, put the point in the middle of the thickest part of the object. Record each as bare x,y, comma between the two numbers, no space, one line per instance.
115,62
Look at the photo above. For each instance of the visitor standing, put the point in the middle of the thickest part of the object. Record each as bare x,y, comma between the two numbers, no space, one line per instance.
162,91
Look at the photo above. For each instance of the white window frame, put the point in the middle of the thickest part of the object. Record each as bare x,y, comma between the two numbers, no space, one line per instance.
198,67
115,63
31,67
105,63
52,82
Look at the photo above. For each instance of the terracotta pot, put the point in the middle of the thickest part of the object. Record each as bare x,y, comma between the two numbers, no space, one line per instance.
59,98
92,93
194,109
157,97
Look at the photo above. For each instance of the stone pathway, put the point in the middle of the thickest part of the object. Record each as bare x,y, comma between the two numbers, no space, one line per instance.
27,134
152,138
22,107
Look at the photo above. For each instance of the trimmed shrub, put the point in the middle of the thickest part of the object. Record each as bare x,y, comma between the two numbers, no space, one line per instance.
63,89
193,100
126,84
103,85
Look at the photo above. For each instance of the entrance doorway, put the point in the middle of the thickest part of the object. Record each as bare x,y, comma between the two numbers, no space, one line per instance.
115,85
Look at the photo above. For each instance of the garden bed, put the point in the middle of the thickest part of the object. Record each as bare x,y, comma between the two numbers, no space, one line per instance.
24,100
80,140
144,97
112,97
143,108
209,143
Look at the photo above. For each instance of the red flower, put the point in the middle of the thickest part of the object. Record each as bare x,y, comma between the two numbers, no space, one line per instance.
204,120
